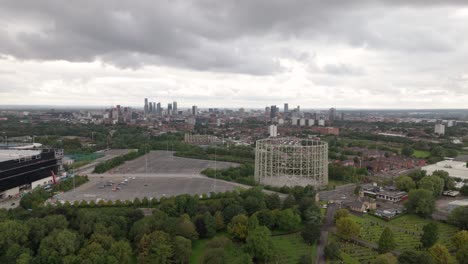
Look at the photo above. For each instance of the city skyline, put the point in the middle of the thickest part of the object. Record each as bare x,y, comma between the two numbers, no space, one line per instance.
310,53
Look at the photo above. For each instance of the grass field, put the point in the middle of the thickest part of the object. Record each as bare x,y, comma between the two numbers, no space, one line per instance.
288,248
407,230
198,247
421,154
291,247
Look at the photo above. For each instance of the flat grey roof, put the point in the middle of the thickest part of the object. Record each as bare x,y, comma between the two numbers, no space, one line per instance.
10,154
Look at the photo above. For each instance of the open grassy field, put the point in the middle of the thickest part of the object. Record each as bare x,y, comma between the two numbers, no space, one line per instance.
407,230
198,247
291,247
421,154
288,248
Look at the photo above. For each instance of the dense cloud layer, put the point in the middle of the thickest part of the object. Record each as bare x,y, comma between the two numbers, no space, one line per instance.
338,48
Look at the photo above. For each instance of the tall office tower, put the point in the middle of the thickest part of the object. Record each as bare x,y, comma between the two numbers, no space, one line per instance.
273,131
158,109
174,107
169,108
273,111
146,106
150,107
332,114
298,108
267,111
194,110
439,129
286,107
154,107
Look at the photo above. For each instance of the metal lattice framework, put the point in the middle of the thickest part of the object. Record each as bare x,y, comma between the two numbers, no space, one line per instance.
291,162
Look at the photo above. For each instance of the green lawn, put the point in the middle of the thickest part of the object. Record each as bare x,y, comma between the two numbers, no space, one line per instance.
407,230
198,246
421,154
290,248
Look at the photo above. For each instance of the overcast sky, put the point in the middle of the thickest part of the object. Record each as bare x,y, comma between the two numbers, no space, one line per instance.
239,53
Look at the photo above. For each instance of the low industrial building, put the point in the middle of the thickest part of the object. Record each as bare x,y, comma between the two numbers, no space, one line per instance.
200,139
456,169
457,203
23,170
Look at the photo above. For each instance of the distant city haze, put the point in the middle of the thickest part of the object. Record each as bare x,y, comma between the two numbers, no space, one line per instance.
386,54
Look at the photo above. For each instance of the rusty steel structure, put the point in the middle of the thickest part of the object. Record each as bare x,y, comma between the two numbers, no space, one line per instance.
291,162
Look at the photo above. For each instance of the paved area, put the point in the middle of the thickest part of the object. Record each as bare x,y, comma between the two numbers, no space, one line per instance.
9,203
154,186
165,162
328,224
340,193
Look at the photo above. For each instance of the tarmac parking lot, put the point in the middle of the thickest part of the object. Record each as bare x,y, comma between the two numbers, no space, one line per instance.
128,188
154,175
164,162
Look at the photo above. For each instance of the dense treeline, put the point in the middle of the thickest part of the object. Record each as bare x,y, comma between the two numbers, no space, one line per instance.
242,174
104,233
114,162
239,154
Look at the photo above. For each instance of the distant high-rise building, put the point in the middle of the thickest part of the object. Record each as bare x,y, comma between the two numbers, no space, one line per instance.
194,110
146,106
267,111
286,107
169,108
150,107
439,129
332,114
298,108
174,107
158,109
273,131
273,111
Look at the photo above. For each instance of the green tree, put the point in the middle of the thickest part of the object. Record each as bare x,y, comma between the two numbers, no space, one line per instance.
92,253
238,227
341,213
462,254
288,220
155,247
414,257
187,229
386,242
433,184
387,258
420,202
405,183
57,245
273,201
182,249
12,232
449,182
407,151
311,231
121,251
260,244
210,224
219,221
464,190
440,254
333,251
305,259
460,239
347,228
438,152
289,202
430,235
459,217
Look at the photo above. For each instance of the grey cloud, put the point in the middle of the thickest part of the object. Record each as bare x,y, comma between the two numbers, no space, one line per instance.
209,35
